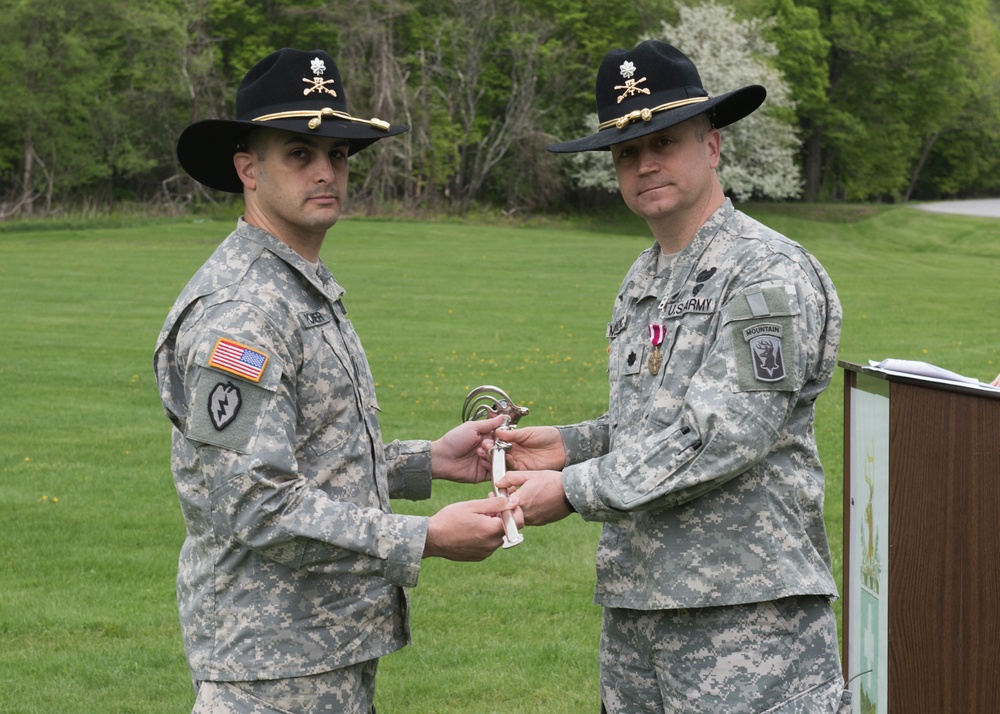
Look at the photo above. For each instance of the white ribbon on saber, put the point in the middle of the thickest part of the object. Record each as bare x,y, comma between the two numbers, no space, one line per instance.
486,402
500,448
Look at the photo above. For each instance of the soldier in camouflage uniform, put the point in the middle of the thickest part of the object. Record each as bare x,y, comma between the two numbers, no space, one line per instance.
291,578
713,566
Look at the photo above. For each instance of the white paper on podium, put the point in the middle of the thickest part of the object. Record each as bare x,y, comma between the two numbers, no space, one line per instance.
930,372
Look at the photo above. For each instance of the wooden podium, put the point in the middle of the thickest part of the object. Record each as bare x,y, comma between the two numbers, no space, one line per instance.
921,584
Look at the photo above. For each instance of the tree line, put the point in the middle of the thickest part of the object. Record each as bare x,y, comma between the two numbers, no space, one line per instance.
885,100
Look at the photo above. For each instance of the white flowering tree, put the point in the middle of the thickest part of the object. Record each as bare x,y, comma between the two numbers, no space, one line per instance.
758,152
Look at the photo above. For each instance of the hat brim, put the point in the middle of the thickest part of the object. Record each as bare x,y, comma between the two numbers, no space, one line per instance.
723,110
206,148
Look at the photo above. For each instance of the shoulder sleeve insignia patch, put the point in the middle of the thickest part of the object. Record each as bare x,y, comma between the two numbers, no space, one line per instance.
763,340
766,351
224,402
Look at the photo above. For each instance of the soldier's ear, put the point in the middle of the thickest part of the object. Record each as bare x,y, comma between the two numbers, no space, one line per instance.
714,142
246,169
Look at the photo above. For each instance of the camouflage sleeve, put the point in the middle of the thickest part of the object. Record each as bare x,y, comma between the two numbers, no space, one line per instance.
677,462
732,414
279,516
409,469
249,479
586,440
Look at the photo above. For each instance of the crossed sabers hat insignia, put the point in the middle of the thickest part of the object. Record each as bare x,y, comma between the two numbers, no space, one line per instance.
318,84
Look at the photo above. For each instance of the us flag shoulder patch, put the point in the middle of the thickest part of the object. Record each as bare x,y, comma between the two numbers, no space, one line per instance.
243,361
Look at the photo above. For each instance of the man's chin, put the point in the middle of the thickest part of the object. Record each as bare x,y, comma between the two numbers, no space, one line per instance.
653,207
324,217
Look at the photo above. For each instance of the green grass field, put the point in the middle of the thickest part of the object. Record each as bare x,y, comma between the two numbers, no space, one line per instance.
91,528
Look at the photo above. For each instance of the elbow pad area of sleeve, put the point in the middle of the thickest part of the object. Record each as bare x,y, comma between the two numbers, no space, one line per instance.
653,475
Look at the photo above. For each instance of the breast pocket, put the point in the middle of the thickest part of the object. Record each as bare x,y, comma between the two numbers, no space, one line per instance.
329,397
626,357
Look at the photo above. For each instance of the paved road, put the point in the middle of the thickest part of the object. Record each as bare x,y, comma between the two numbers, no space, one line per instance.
988,207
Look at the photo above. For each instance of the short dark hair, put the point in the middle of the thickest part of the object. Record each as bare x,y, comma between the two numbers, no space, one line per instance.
255,140
702,125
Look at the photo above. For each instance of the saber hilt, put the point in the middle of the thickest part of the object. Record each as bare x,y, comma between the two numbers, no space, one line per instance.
487,402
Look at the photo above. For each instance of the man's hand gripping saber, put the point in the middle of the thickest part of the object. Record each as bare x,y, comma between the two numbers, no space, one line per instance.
487,402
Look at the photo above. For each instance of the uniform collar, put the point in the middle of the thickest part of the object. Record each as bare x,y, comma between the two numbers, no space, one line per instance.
647,283
321,278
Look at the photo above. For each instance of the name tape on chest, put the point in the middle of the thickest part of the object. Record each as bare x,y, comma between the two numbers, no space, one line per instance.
615,328
314,318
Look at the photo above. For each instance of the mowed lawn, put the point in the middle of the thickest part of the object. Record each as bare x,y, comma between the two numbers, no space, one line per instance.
91,527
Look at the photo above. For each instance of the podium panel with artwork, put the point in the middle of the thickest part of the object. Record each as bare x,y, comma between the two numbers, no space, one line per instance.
921,544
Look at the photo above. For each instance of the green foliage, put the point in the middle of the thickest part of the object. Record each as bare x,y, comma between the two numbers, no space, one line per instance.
759,156
965,158
759,152
892,100
584,32
899,73
803,54
51,62
248,30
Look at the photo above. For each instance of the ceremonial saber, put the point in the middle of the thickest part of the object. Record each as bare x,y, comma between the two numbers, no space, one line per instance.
487,402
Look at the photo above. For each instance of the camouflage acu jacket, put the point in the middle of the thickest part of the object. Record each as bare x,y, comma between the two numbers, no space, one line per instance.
706,472
293,563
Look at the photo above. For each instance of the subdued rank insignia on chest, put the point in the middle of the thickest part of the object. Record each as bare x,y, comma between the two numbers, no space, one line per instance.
224,404
767,355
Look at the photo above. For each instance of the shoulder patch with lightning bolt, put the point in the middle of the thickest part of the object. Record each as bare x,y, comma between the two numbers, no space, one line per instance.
231,385
224,404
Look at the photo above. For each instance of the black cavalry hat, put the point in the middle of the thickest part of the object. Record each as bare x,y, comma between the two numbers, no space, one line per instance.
294,90
651,87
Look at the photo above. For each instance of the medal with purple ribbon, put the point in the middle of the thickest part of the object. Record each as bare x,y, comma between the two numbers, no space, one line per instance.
656,335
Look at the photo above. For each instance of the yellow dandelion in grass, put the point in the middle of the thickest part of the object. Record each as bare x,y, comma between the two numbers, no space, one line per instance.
135,378
27,459
55,499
